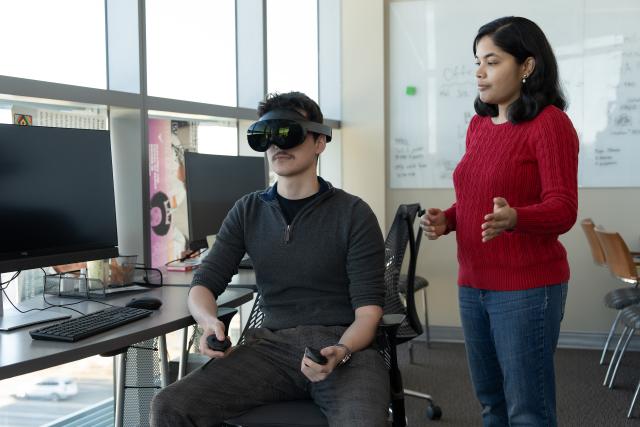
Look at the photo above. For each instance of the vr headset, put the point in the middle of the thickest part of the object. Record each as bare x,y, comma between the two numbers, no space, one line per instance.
284,129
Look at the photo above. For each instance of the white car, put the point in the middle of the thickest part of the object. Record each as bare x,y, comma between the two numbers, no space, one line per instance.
49,388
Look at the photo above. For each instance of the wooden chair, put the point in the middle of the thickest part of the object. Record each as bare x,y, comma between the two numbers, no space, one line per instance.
617,299
597,253
621,265
598,256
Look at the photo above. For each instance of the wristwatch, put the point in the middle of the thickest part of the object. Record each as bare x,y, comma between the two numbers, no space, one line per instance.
347,356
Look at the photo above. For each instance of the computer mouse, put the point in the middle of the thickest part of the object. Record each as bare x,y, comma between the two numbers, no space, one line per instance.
150,303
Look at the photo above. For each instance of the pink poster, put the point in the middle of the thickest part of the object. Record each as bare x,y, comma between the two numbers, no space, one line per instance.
168,140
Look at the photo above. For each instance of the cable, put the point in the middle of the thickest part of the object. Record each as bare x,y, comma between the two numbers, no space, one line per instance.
50,305
189,255
4,285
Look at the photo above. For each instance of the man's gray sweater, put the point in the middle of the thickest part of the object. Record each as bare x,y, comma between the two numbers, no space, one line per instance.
315,271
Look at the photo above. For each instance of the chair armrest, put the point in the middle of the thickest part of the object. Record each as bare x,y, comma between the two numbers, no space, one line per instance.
390,323
390,320
251,287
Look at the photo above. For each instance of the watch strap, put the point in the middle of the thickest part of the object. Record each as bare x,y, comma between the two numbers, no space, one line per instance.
347,356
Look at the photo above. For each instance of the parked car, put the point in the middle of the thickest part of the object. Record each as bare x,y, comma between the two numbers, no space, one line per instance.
49,388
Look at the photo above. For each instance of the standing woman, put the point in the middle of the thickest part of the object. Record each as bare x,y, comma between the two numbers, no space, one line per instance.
516,192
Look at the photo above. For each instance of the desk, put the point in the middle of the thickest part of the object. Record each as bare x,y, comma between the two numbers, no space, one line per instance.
19,354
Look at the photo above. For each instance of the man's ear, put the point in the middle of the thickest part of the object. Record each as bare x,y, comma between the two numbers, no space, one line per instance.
321,143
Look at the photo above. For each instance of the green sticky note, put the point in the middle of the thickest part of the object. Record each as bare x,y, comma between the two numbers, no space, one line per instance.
411,90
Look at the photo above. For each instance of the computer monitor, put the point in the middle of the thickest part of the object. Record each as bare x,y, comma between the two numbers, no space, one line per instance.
214,183
57,202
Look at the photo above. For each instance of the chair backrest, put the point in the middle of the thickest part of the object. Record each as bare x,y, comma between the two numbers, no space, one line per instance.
400,235
255,318
597,253
618,257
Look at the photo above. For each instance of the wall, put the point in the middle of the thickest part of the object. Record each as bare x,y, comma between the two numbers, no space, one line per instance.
363,102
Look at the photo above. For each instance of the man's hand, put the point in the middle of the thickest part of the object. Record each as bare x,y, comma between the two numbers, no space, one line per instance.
504,217
215,327
434,223
316,372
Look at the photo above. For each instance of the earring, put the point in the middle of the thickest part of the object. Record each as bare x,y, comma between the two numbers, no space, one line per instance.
524,79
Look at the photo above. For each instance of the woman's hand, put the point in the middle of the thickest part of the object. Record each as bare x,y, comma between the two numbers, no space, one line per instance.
434,223
504,217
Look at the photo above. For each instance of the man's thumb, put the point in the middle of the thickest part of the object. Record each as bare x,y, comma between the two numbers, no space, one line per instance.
327,351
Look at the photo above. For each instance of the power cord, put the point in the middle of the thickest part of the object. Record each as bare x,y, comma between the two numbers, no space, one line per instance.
6,284
189,255
3,285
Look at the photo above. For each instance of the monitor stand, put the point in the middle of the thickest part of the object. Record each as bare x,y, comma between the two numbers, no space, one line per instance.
9,322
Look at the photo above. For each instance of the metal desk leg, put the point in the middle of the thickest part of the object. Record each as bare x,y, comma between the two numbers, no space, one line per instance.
164,363
120,361
182,365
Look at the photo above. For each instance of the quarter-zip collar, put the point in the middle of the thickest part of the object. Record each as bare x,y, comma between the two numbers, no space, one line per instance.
270,197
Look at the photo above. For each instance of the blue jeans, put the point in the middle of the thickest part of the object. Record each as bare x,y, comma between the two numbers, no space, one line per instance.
511,337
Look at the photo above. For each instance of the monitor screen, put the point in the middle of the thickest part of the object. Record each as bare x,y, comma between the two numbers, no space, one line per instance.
57,202
214,184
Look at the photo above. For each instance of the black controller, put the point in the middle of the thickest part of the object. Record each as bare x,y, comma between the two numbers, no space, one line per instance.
315,355
216,345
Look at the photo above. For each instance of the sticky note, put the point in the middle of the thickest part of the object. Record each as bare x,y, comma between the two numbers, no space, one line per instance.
411,90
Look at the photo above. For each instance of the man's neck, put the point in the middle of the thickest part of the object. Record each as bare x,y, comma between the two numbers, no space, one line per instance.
298,187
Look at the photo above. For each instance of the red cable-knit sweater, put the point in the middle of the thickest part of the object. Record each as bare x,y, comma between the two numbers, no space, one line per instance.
534,166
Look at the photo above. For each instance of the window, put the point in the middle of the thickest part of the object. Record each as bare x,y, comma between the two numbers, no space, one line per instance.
218,137
61,41
191,50
292,46
55,392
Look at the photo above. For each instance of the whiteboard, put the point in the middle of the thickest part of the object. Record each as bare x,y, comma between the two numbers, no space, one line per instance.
432,85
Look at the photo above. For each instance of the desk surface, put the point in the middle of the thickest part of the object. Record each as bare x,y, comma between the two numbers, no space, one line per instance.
19,354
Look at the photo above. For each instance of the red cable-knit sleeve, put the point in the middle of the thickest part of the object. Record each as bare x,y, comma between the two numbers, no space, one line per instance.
556,149
450,214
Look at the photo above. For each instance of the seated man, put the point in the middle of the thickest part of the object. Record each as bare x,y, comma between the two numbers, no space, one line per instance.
318,256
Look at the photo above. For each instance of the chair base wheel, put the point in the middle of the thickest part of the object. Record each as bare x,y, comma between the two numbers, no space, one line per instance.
434,412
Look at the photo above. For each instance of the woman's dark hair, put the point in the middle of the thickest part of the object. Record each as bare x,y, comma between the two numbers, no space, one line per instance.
294,101
522,38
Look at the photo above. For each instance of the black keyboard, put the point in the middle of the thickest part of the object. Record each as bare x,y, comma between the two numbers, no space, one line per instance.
77,328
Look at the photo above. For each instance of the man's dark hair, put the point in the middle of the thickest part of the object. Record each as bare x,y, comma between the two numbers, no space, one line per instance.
294,101
522,38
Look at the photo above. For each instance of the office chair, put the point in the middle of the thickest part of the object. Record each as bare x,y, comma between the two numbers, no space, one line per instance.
617,299
400,324
420,284
622,266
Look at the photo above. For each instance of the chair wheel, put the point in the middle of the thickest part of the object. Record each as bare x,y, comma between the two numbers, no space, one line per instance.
434,412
